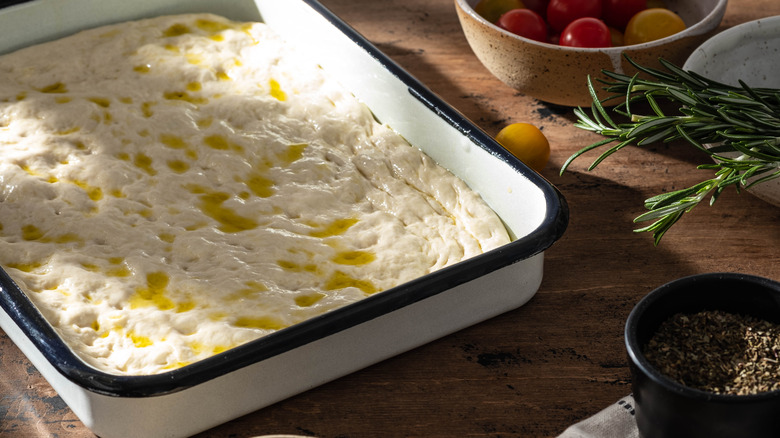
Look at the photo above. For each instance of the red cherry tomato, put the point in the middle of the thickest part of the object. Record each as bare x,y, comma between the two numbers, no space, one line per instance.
586,32
562,12
524,22
618,12
538,6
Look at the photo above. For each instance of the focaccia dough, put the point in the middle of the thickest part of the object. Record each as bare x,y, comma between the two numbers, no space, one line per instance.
173,187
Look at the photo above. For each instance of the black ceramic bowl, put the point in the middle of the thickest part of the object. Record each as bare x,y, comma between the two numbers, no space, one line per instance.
665,408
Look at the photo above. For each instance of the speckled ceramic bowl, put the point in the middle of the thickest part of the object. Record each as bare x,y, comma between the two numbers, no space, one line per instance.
748,52
558,74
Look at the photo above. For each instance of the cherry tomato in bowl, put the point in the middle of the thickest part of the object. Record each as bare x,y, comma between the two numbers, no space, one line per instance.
491,10
617,36
562,12
538,6
617,13
586,32
652,24
524,22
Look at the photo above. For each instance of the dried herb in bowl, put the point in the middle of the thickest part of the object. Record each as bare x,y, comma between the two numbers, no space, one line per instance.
717,351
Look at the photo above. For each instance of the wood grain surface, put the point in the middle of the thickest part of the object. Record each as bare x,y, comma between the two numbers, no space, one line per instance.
531,372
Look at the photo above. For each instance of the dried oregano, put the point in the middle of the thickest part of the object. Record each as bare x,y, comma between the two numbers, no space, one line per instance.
719,352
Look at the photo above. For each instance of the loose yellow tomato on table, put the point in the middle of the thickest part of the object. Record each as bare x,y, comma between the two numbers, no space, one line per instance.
526,142
652,24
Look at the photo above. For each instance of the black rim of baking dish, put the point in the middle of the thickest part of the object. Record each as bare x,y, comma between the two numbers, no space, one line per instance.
25,315
727,291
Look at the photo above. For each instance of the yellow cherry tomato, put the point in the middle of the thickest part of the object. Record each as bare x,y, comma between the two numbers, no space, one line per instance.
616,36
652,24
526,142
491,10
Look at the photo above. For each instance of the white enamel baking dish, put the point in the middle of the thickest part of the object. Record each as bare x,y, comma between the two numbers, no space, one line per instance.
202,395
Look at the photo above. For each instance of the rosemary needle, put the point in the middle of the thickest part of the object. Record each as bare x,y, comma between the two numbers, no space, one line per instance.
741,126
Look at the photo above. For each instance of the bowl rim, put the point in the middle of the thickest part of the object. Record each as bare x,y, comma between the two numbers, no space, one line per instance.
638,359
697,28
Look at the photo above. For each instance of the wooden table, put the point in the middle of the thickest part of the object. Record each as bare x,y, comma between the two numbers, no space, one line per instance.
531,372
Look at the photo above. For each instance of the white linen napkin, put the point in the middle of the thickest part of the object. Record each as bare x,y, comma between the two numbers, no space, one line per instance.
615,421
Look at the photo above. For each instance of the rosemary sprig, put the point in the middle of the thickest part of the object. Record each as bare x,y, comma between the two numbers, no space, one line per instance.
740,125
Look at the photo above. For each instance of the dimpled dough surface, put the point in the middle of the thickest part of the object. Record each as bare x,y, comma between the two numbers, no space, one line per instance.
177,186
